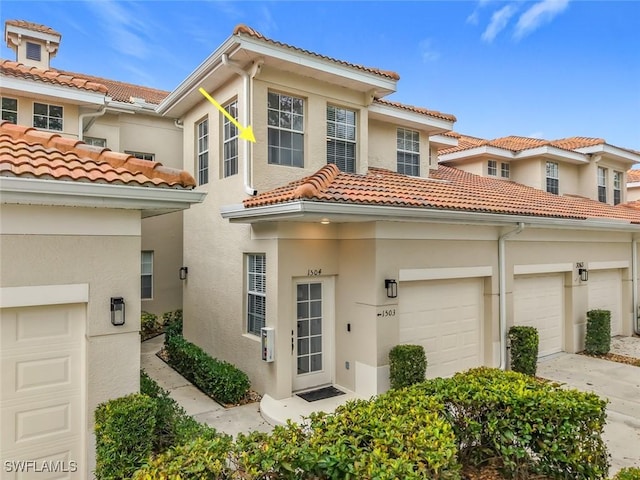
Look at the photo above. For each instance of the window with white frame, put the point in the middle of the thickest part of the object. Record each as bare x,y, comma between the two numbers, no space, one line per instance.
142,155
408,154
341,138
202,132
256,292
553,180
95,141
10,109
230,141
34,51
504,170
47,116
492,168
286,129
617,187
602,185
146,275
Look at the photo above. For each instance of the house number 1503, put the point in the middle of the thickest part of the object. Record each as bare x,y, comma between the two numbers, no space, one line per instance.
314,272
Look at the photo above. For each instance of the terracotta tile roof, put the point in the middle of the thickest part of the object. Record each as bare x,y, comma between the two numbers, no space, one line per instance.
36,27
29,153
245,30
18,70
122,92
572,143
420,110
633,175
452,190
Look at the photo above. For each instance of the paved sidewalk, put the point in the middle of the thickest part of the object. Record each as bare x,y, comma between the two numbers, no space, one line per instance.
232,421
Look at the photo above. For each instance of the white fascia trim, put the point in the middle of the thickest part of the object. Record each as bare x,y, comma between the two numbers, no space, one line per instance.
608,265
400,116
534,269
299,208
126,107
556,152
32,191
37,295
633,184
443,140
311,61
35,87
27,33
610,150
484,150
417,274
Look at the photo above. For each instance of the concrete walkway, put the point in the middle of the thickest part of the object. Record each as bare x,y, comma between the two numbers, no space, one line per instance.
617,382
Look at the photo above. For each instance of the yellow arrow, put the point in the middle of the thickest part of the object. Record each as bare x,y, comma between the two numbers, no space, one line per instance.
246,133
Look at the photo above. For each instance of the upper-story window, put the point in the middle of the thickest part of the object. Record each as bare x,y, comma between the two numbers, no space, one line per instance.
408,155
341,138
553,182
602,185
492,168
617,187
504,170
95,141
10,109
34,51
230,141
202,132
47,116
142,155
286,130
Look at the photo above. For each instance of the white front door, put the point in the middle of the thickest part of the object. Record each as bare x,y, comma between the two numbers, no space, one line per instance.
312,333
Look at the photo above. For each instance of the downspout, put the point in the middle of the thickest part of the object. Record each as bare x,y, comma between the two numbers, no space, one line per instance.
93,116
634,284
502,287
246,114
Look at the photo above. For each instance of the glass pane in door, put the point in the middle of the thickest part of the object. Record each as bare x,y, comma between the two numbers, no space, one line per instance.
309,327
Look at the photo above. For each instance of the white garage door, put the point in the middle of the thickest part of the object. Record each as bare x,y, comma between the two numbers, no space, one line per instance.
41,396
538,302
605,293
444,316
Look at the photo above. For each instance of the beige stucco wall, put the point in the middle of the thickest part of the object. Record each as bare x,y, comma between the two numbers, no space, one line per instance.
383,147
98,247
69,113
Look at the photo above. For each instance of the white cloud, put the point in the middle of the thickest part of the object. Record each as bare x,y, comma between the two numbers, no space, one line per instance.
474,18
499,21
538,134
427,52
266,23
539,14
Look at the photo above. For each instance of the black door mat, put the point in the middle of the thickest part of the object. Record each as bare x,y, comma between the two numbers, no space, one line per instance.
320,394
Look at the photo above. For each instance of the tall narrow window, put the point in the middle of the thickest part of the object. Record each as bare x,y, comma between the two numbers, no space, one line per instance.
408,154
492,168
504,170
10,109
47,116
617,187
341,138
552,178
230,141
286,130
203,152
256,292
602,185
146,275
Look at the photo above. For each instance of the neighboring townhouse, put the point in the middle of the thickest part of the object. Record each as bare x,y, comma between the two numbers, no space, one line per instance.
586,167
70,289
338,230
107,114
633,185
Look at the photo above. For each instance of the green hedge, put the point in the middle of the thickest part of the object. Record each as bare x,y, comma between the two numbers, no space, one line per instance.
598,340
628,473
148,322
407,365
124,430
219,379
524,349
172,322
528,425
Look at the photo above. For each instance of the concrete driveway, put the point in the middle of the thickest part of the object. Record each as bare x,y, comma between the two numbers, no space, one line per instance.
617,382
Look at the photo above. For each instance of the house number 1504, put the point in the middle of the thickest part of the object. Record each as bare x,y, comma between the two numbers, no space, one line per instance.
314,272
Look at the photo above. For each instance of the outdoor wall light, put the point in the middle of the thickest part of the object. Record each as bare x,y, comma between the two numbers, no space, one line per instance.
117,311
582,272
325,221
184,271
392,288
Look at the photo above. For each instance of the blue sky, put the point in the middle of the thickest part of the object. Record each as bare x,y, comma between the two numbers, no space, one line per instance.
545,68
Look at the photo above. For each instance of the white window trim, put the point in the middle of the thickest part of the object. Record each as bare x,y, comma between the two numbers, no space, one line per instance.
555,176
2,110
602,184
142,155
292,130
416,152
492,168
48,117
354,142
142,274
505,168
226,122
201,154
255,293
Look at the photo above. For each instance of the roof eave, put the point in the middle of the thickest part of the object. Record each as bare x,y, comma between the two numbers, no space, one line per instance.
40,89
443,141
150,200
481,151
302,210
432,125
609,150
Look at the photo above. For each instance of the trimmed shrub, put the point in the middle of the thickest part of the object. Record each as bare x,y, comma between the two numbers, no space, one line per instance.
598,340
628,473
407,365
172,322
219,379
530,426
124,430
524,349
148,323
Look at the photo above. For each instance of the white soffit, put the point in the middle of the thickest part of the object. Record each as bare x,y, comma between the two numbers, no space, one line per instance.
413,119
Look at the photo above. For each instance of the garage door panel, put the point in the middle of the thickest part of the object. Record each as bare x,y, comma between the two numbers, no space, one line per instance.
605,293
40,327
